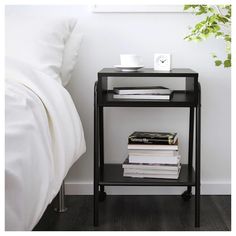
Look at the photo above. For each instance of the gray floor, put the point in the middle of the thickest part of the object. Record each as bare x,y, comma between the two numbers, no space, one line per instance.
139,213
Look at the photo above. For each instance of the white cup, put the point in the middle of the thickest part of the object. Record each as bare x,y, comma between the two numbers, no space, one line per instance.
129,60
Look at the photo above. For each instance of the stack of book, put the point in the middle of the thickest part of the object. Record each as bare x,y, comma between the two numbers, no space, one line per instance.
153,92
152,155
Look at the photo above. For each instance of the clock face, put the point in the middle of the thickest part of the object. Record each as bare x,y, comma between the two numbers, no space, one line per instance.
162,62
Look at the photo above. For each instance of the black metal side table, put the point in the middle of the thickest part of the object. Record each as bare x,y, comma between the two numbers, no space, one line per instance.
112,174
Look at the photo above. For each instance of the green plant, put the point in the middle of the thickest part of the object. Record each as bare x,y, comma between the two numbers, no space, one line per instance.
217,23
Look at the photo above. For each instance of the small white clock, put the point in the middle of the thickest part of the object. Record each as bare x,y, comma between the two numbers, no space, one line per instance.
162,62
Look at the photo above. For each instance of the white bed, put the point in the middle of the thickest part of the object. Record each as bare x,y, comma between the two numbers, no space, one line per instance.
43,131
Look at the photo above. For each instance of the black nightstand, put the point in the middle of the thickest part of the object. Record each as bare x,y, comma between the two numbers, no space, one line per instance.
112,174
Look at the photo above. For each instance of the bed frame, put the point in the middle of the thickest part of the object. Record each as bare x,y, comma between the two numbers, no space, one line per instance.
60,200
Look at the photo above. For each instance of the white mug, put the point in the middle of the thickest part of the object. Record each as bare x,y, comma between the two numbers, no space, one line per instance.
129,60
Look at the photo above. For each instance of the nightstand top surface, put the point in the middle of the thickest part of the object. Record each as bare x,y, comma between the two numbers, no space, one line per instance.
179,72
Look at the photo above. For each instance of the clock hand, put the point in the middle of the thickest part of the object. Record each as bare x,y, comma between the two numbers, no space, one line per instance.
162,61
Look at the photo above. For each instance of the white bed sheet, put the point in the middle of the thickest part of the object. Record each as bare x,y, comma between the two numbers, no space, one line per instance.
43,138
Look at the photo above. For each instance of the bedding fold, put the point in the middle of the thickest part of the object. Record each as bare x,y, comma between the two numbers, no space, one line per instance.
43,138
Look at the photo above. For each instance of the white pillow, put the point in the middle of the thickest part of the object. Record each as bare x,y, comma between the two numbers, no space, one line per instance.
39,41
71,54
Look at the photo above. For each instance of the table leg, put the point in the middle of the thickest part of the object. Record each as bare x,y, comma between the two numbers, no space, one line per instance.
96,167
101,144
198,166
190,145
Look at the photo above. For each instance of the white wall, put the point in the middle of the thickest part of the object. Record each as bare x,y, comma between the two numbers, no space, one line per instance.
108,35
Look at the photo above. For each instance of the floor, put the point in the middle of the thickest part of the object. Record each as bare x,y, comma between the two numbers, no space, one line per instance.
138,213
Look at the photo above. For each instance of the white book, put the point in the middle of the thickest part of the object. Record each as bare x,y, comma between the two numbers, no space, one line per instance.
158,176
153,153
160,172
142,96
153,159
153,147
148,166
142,90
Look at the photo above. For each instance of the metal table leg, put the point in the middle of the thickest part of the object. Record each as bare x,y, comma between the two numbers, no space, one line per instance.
198,161
186,195
96,167
102,194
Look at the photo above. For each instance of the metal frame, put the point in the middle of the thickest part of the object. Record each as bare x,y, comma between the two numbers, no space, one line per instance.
60,200
198,159
99,151
96,166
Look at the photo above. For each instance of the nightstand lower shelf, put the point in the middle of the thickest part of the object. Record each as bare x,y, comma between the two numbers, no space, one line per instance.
112,175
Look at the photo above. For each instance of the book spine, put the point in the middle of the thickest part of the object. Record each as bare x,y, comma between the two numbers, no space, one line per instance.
153,160
149,141
142,96
149,167
152,152
143,171
152,147
132,92
151,176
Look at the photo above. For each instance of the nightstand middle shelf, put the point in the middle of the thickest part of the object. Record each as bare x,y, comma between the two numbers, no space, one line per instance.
179,98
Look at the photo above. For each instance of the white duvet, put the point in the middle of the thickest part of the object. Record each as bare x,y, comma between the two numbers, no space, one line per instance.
43,138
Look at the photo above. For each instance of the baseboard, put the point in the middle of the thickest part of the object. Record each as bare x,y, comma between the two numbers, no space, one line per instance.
86,188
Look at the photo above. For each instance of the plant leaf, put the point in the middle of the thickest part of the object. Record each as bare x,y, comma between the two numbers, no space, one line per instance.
218,62
186,7
214,55
227,63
